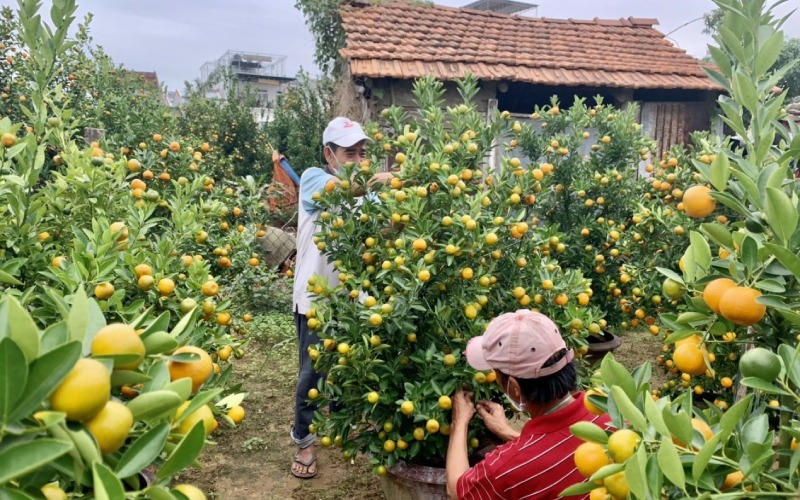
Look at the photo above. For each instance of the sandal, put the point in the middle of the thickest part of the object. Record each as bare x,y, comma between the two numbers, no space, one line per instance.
307,465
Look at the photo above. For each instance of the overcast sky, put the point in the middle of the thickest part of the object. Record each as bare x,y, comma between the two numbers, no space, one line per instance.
176,37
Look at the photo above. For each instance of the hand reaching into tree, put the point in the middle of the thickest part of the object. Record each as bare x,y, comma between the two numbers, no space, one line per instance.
494,417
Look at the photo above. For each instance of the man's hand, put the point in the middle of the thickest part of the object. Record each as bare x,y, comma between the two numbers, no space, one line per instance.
457,461
494,417
381,178
463,408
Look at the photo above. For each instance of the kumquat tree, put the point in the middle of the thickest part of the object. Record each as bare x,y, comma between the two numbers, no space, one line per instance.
134,276
117,332
424,262
741,295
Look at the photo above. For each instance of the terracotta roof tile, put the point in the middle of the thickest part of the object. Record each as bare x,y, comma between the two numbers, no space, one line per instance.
414,40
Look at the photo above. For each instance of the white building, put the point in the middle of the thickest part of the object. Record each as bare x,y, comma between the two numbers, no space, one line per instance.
262,74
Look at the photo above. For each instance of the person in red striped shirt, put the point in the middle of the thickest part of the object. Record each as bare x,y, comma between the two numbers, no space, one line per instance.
535,371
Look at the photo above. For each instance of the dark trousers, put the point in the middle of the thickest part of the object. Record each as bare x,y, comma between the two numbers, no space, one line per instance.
307,379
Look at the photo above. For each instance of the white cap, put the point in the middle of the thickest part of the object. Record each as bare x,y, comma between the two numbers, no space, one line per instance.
343,132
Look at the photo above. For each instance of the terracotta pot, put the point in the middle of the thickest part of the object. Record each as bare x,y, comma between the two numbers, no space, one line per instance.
599,345
414,482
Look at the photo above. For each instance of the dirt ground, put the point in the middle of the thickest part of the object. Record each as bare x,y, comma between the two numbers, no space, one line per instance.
252,462
637,347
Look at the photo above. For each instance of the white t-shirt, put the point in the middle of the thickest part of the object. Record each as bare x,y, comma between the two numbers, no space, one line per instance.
310,260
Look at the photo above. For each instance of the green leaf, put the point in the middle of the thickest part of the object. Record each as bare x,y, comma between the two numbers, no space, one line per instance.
8,279
159,376
793,151
96,321
589,431
13,376
654,417
636,475
143,451
127,377
720,172
686,318
20,459
791,317
201,399
160,324
45,373
157,492
781,214
182,387
670,463
53,336
702,252
578,489
679,424
160,342
607,470
107,485
628,410
763,385
22,329
150,406
718,77
772,286
769,53
721,59
749,253
78,319
755,431
86,445
615,374
690,266
642,374
744,91
669,273
778,177
680,334
139,321
731,42
747,175
183,324
731,202
14,494
733,416
185,453
704,456
655,476
791,361
718,233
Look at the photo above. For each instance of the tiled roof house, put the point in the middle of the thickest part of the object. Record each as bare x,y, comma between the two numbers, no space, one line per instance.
148,77
523,61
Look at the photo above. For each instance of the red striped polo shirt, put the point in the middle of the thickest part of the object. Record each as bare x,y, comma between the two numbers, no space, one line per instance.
538,465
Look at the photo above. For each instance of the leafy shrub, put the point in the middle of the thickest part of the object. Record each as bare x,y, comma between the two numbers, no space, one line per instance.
446,248
155,240
736,289
301,115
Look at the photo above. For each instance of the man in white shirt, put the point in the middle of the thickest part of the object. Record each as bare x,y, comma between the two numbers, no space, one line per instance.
344,141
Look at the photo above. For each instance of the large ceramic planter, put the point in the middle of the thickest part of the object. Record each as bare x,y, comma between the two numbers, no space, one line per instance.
601,344
414,482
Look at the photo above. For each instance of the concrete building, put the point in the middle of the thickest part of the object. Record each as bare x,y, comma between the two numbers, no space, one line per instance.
262,74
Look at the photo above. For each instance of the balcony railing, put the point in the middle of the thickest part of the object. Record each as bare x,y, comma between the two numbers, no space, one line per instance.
245,63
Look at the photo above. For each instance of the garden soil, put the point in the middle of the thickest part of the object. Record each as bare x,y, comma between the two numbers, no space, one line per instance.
252,462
